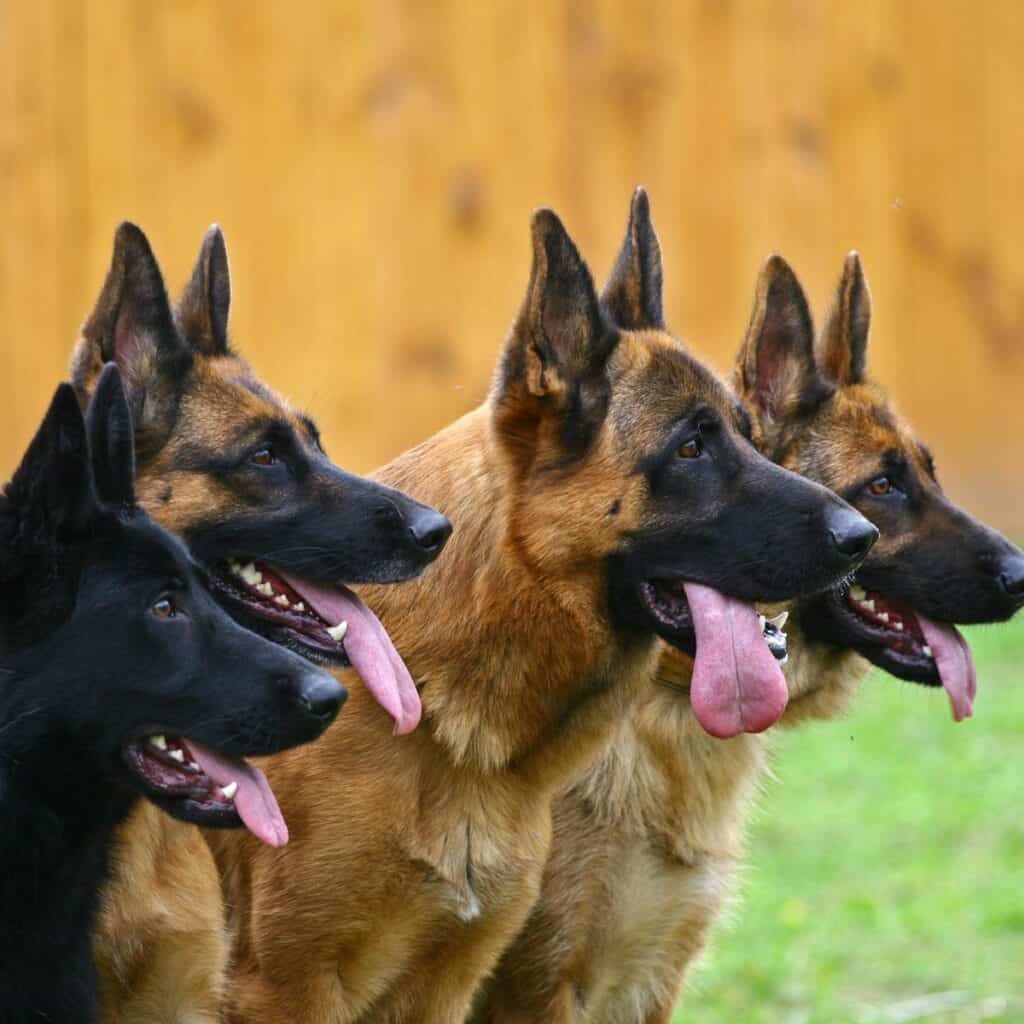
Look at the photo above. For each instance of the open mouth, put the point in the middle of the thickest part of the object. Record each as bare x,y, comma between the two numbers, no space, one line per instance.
327,624
896,627
669,611
736,684
666,603
265,595
196,784
905,643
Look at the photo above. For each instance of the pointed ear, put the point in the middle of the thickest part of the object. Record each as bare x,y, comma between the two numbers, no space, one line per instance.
111,441
633,294
842,348
775,370
48,506
51,492
132,326
554,362
202,311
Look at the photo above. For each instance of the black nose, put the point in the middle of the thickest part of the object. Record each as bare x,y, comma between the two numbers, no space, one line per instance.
852,534
319,695
429,529
1011,575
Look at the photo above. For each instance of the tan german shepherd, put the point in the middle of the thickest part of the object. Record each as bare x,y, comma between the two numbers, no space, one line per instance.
606,465
646,844
242,476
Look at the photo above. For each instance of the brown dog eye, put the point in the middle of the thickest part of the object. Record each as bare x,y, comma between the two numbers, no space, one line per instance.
164,609
690,450
880,486
263,457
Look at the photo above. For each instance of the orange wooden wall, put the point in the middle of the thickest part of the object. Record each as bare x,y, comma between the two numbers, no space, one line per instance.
374,166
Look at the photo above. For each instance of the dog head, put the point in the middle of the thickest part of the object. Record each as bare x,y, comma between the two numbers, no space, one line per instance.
822,416
630,460
117,647
242,475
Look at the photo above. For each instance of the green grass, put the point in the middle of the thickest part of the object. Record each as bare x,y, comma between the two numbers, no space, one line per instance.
886,865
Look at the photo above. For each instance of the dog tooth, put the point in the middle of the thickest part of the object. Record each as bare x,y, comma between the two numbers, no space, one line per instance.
870,605
282,601
927,650
229,790
193,766
177,755
898,626
760,622
159,741
858,593
883,617
266,589
780,620
337,633
300,607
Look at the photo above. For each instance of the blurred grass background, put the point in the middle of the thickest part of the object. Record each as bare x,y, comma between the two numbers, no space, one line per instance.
886,877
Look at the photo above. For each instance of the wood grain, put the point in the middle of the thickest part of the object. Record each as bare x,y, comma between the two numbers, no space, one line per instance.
374,166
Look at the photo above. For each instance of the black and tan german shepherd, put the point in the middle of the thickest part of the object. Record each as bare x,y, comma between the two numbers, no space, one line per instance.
647,842
120,678
241,475
606,494
934,564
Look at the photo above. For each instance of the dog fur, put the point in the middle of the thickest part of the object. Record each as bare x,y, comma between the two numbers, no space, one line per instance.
107,636
647,843
237,471
413,864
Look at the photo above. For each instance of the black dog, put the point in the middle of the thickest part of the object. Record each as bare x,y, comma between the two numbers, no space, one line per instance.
111,653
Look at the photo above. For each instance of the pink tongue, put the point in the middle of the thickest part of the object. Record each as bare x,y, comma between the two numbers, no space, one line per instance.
368,647
955,664
254,799
737,686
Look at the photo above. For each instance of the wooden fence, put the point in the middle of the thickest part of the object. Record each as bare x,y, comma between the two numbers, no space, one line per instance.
374,166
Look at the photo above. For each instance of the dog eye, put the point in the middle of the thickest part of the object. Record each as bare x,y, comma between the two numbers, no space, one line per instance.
880,486
263,457
691,449
164,609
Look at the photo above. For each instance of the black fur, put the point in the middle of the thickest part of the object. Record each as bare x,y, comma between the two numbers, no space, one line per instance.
88,668
752,529
561,342
725,516
299,511
633,294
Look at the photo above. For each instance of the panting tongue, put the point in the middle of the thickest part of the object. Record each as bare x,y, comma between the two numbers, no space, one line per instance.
953,659
737,686
368,647
254,799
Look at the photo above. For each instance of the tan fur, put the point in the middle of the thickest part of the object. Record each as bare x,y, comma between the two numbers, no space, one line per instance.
414,862
648,842
160,944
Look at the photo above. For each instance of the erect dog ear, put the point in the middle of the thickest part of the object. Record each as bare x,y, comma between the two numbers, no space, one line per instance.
111,441
633,294
202,311
842,348
48,504
775,370
132,326
555,360
52,490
